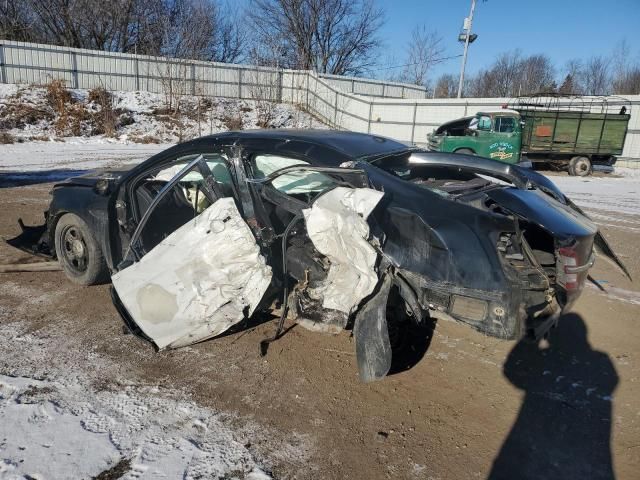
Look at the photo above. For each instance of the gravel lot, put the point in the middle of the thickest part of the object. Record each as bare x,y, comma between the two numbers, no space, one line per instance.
465,407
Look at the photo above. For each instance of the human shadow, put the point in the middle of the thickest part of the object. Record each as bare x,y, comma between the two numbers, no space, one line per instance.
563,429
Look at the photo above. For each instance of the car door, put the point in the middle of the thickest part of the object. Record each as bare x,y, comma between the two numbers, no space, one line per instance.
505,146
192,268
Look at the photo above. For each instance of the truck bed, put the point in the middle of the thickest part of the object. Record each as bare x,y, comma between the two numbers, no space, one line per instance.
572,132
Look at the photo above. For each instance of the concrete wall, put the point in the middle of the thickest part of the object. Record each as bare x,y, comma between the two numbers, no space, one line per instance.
384,108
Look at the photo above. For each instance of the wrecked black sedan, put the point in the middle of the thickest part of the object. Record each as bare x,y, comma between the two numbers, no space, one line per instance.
333,229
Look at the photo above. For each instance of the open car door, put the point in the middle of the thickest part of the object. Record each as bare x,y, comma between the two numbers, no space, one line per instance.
203,277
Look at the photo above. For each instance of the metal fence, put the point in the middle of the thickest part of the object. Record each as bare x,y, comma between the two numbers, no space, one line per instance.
391,109
411,120
36,63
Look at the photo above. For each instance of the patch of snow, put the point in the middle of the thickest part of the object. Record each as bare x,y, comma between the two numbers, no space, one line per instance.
610,196
627,172
57,429
66,411
77,154
142,116
617,294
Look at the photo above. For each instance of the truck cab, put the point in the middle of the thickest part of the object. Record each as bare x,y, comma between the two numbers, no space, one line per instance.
491,134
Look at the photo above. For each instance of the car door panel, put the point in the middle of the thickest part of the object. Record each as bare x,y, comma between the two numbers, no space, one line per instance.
199,281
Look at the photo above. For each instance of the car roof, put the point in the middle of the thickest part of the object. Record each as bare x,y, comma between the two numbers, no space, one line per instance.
351,144
497,111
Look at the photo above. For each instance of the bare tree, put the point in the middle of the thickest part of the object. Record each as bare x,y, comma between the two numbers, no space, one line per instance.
536,74
629,83
596,76
500,79
329,36
446,86
16,21
626,73
425,50
201,29
512,75
573,80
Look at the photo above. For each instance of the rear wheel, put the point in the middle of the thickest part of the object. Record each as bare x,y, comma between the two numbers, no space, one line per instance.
580,166
78,251
465,151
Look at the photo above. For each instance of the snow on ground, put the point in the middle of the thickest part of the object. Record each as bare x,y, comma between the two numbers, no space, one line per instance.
67,411
77,154
605,195
57,429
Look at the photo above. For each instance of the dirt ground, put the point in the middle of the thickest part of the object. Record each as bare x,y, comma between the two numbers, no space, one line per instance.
467,407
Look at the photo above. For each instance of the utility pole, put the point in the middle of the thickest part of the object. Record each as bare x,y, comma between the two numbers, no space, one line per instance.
466,46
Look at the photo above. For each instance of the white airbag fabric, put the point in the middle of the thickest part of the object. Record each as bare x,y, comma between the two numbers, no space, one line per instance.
198,281
295,182
337,226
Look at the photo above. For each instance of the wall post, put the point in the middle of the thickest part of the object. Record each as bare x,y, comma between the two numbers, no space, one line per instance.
136,68
413,125
239,82
74,70
3,71
370,112
335,110
193,79
308,106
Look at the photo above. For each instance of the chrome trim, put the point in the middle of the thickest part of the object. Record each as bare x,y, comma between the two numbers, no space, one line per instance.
581,268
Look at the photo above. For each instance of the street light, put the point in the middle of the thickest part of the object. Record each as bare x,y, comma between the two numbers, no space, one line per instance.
467,37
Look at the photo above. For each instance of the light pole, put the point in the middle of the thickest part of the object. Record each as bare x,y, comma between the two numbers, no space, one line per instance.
467,41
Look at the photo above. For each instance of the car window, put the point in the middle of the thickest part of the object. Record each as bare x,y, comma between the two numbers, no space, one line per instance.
484,123
183,202
292,183
505,124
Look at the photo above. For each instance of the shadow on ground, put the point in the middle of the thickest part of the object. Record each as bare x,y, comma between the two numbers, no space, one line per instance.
413,347
21,179
563,428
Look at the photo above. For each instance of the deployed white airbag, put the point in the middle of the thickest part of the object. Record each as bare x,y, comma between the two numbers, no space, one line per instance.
198,281
337,226
295,182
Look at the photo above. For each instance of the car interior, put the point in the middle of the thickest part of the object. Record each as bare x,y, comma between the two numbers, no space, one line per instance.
182,203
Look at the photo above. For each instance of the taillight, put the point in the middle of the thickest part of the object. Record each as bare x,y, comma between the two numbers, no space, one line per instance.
567,262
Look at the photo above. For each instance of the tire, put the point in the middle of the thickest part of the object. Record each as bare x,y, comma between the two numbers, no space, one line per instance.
580,166
465,151
78,252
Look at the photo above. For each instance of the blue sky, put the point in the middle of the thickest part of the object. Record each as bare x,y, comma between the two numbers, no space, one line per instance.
562,29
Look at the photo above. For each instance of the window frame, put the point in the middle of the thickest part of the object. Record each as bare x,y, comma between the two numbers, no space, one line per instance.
500,119
135,251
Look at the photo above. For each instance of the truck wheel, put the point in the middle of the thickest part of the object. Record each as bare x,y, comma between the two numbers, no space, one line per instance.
78,251
580,166
465,151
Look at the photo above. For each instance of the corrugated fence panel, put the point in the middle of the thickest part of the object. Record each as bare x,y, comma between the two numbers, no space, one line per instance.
386,108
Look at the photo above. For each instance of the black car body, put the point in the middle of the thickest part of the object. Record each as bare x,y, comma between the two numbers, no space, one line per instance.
492,245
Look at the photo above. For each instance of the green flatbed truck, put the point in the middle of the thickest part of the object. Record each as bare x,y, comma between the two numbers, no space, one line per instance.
567,132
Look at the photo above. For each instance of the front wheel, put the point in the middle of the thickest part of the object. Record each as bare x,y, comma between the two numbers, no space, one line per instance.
465,151
580,166
78,251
